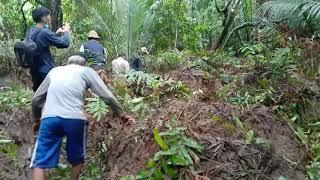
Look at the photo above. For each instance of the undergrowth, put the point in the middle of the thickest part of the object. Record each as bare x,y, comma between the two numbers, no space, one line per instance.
15,97
177,155
277,79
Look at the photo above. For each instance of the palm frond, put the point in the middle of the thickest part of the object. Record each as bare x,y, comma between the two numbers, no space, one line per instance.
300,15
311,9
276,10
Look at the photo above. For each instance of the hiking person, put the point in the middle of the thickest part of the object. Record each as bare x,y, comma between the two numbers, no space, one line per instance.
121,65
62,95
44,38
137,62
94,51
96,54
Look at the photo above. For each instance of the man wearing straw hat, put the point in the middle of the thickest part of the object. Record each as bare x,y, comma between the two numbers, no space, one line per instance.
95,53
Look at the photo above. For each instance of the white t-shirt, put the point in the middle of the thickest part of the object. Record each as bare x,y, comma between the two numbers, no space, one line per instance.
120,66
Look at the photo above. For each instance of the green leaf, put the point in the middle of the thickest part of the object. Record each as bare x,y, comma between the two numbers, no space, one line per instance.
191,143
159,140
260,141
185,154
151,164
301,135
5,141
139,80
131,177
282,178
144,174
238,122
172,132
158,175
137,107
163,153
250,137
136,100
177,160
92,99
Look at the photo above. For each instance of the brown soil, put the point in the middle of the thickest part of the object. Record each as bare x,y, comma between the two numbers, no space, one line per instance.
227,155
19,130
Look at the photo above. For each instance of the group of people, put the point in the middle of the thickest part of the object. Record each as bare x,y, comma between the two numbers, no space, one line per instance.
97,54
57,105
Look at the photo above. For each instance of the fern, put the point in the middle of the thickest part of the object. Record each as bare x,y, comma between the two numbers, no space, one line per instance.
96,107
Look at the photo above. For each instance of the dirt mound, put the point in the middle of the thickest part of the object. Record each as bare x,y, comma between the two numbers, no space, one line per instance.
16,126
226,154
197,80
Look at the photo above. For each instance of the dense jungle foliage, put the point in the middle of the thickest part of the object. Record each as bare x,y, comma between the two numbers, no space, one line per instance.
236,56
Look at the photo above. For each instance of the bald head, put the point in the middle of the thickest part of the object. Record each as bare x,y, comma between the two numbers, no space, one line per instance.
76,59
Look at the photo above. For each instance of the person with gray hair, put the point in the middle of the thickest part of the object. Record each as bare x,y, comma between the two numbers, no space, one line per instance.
61,96
77,59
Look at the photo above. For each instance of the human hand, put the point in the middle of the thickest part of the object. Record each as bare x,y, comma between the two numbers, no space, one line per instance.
60,30
66,27
128,120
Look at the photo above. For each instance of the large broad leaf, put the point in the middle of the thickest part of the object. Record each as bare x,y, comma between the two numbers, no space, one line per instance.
159,140
177,160
193,144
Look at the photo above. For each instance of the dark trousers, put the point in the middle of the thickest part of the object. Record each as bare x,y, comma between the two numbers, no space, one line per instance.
37,79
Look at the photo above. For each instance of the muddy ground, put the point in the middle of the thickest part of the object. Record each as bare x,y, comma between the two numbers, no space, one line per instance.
227,155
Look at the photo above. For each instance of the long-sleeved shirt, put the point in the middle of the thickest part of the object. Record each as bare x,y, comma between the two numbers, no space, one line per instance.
44,62
62,93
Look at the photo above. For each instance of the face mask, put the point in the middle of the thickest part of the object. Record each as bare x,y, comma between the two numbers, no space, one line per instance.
46,26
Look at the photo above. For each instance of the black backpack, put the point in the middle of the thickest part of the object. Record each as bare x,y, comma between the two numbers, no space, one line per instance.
27,49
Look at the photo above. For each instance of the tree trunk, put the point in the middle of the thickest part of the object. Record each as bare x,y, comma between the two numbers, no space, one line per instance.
229,16
25,25
56,15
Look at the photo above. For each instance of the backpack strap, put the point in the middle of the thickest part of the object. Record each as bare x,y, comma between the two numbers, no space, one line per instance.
33,35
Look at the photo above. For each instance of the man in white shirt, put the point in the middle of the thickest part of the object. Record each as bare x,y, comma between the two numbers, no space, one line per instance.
61,95
121,65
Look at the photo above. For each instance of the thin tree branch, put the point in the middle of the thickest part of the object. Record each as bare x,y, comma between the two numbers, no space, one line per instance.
246,24
24,16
